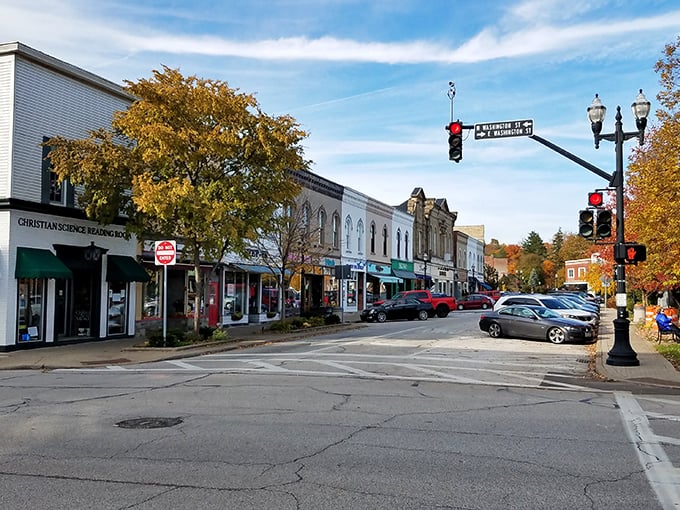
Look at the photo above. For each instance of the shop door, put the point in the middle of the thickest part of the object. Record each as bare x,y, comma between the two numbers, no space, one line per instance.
78,300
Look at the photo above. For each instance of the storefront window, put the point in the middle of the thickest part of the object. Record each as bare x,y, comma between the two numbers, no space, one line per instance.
31,310
234,293
152,300
117,306
270,293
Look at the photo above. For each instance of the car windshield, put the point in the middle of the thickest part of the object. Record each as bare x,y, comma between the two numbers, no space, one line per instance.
554,304
547,313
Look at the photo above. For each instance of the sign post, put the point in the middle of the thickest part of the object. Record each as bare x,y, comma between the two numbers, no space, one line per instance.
504,129
165,254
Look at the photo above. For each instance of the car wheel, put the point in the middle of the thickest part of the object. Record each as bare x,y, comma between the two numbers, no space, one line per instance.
485,306
382,317
422,315
556,335
442,312
461,307
495,330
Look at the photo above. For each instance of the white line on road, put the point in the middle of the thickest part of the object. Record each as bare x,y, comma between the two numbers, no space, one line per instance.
661,474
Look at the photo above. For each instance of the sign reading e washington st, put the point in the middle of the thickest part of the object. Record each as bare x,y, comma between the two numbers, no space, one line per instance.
504,129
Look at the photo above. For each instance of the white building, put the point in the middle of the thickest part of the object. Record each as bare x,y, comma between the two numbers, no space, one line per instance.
64,278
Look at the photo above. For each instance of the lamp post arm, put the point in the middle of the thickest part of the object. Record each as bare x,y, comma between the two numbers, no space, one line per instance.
575,159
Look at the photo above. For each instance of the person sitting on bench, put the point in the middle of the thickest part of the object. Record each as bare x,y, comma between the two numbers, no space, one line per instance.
664,323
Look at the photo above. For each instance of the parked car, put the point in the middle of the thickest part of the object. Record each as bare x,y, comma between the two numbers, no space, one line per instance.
441,303
534,322
577,302
474,301
401,308
565,310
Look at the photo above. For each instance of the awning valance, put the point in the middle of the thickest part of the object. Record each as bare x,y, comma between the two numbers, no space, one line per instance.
39,263
120,268
407,275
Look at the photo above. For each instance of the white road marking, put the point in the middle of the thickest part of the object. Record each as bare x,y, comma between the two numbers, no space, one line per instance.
663,477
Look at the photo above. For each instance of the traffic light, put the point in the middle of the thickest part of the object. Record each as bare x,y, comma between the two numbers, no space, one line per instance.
455,130
630,253
586,223
604,224
595,199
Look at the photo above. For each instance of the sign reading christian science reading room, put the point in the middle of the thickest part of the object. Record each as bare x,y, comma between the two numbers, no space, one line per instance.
57,226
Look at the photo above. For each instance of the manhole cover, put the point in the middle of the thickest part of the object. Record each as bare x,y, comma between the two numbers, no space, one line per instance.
149,423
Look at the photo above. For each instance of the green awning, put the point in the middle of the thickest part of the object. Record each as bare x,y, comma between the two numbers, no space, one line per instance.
125,269
37,263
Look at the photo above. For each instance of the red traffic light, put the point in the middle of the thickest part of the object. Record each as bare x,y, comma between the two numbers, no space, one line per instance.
595,199
455,128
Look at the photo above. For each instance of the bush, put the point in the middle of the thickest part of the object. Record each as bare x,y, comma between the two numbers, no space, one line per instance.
282,326
206,331
173,338
236,316
334,318
219,335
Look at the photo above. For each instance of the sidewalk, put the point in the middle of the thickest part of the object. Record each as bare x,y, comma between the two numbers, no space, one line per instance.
129,350
654,369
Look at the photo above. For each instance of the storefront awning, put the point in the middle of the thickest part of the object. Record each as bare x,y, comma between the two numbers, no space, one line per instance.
386,278
125,269
37,263
406,275
254,268
423,277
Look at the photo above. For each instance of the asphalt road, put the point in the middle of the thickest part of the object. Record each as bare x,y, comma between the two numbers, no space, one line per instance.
401,415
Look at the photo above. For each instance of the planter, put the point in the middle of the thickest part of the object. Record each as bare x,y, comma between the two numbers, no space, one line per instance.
236,316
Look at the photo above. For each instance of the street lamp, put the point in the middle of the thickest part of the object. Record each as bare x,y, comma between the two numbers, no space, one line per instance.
425,257
621,354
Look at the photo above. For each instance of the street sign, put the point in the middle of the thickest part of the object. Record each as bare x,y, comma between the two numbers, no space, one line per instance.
165,253
504,129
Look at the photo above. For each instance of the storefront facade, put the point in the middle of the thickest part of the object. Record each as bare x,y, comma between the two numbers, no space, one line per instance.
65,278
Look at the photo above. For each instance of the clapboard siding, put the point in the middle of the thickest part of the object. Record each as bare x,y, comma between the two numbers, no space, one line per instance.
6,80
50,103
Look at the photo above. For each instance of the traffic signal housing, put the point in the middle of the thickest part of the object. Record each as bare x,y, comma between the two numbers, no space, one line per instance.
630,253
604,224
455,130
586,223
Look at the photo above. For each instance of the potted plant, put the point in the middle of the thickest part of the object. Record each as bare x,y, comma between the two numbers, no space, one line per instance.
236,316
271,315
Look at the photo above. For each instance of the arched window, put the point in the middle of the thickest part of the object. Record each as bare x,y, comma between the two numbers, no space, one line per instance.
384,243
348,233
305,217
372,236
322,227
398,243
360,236
336,230
405,245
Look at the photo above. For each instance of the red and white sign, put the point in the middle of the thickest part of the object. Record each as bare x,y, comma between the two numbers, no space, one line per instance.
166,253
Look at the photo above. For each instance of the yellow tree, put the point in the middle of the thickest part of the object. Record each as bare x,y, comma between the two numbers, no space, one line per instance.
653,190
191,159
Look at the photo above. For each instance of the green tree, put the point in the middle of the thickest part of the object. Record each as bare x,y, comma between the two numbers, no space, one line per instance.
191,159
534,244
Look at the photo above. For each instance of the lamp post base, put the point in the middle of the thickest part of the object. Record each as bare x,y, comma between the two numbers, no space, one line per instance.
622,354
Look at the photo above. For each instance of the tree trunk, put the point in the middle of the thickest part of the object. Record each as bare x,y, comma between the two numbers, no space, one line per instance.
199,291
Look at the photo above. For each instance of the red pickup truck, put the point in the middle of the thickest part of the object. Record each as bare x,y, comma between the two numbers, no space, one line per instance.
441,303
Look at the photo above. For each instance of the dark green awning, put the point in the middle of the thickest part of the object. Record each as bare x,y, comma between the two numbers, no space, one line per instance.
125,269
37,263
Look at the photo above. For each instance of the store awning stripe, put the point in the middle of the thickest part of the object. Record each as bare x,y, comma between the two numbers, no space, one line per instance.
254,268
120,268
407,275
38,263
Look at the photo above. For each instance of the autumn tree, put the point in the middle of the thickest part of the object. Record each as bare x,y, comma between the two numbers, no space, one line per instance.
534,244
191,159
653,187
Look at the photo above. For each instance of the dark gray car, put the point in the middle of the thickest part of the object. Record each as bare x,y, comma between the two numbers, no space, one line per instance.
536,323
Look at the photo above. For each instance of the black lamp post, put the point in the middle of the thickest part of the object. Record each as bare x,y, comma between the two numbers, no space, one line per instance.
425,258
474,282
621,354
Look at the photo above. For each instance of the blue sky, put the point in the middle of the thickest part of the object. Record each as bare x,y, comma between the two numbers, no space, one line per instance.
369,80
